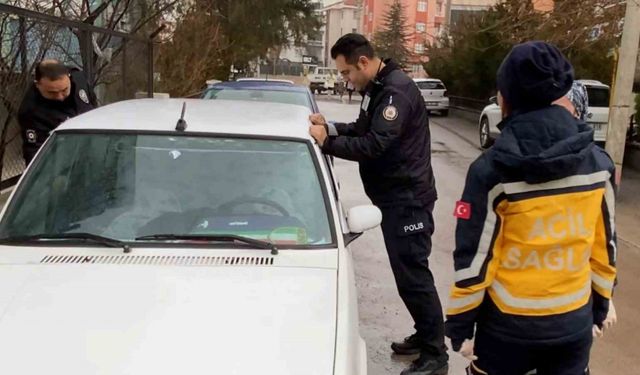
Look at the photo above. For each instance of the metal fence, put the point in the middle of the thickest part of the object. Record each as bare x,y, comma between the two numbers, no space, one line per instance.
118,66
469,104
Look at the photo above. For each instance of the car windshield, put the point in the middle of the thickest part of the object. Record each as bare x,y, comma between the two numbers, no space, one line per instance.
125,186
598,96
430,85
271,96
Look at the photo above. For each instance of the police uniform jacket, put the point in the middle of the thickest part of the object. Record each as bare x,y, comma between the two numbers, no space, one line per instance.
39,116
390,140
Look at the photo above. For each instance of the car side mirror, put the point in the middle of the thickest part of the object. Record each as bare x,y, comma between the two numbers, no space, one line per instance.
493,100
361,219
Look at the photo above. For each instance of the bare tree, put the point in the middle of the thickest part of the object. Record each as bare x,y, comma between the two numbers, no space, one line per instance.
191,52
25,41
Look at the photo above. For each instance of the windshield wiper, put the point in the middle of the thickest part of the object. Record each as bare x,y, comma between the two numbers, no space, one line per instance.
213,238
74,236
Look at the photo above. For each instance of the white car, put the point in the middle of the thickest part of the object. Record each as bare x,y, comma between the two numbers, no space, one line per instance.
597,117
434,94
131,246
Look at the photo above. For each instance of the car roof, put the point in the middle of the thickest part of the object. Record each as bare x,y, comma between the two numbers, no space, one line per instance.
427,80
245,118
593,83
259,85
281,81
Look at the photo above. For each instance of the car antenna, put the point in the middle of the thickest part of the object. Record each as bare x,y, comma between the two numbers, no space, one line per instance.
182,124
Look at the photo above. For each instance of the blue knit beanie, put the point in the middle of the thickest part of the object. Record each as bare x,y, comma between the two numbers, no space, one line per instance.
533,75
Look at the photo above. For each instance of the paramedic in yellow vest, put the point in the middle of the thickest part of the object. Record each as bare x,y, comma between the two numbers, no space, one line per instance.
535,239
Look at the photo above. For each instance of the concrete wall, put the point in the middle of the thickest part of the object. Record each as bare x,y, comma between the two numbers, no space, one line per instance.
342,19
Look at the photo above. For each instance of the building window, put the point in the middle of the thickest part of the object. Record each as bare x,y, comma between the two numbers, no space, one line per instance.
416,68
370,16
421,27
419,48
422,6
439,9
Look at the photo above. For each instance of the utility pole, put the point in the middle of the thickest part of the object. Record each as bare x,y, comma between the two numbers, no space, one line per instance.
620,110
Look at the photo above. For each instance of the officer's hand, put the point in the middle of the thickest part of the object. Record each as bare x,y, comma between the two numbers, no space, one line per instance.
317,119
319,133
466,350
612,317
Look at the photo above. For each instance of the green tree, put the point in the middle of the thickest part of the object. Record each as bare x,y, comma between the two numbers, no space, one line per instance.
468,57
250,28
392,39
192,54
210,36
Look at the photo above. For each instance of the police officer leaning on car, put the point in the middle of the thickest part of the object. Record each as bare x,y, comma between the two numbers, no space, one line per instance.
57,94
391,141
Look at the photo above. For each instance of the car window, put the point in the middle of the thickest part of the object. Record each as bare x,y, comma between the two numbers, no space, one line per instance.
126,186
430,86
598,96
271,96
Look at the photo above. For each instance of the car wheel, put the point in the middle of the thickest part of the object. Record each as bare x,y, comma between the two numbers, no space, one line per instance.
444,113
485,133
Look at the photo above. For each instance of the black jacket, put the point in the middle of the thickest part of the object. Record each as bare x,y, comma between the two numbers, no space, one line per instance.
390,140
535,241
39,116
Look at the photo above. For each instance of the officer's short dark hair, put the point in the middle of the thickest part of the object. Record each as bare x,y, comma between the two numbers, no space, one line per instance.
352,46
51,70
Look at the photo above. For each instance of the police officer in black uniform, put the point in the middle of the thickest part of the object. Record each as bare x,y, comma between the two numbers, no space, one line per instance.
57,94
391,141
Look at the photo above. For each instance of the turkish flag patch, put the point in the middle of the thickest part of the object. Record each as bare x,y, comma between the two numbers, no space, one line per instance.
463,210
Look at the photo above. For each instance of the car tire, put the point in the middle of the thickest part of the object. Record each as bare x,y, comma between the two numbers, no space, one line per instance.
484,130
444,113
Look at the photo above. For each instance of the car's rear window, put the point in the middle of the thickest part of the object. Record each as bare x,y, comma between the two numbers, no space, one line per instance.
598,96
430,86
125,186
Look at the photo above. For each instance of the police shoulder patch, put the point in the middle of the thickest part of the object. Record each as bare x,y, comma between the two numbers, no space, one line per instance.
83,96
32,137
390,113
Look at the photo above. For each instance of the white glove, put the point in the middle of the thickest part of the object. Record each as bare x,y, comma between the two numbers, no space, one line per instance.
611,319
466,350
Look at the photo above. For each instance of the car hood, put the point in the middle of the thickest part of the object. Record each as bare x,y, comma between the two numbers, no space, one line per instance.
110,318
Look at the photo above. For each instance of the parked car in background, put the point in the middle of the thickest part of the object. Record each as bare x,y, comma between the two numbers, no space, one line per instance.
273,91
434,94
322,79
597,117
135,243
488,126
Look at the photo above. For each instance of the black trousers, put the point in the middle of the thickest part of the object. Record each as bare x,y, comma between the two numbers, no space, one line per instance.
407,234
499,357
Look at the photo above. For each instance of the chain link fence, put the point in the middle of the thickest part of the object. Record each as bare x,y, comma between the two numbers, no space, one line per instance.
118,66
